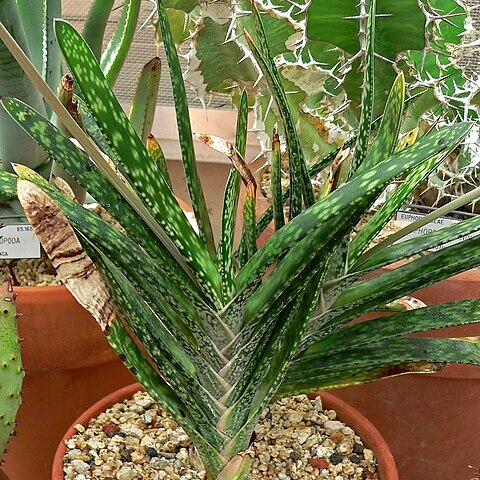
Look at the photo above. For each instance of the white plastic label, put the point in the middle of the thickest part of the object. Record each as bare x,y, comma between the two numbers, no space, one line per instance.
18,241
437,224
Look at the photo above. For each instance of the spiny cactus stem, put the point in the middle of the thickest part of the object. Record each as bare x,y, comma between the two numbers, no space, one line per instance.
11,371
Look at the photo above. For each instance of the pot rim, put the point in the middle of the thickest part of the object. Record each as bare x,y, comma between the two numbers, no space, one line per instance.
363,427
45,289
472,275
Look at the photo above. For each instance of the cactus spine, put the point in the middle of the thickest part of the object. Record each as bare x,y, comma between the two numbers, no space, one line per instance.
11,371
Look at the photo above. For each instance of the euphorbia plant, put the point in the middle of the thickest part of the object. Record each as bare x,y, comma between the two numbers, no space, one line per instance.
318,47
208,334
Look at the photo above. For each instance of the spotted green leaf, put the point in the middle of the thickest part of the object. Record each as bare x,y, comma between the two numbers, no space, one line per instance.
352,195
75,161
386,139
185,132
361,145
135,160
382,216
368,295
230,203
300,186
276,183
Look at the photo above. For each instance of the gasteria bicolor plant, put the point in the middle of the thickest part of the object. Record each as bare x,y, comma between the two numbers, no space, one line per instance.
11,371
31,24
208,334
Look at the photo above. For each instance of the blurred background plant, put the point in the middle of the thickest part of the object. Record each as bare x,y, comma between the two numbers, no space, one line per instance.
319,50
319,57
31,24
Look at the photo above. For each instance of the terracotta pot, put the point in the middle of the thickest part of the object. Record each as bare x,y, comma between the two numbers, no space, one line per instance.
431,422
369,434
68,364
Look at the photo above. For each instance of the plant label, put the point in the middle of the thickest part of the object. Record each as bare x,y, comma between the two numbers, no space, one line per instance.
18,241
437,224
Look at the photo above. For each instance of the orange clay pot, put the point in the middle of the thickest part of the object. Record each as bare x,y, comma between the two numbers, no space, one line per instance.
369,434
431,422
69,365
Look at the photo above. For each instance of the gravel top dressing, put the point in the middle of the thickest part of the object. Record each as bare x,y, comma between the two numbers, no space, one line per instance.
30,272
295,439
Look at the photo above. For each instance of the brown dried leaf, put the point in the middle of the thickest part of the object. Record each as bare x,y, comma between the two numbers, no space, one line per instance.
73,266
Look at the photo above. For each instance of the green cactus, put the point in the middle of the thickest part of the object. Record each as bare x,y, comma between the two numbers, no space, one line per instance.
319,49
11,371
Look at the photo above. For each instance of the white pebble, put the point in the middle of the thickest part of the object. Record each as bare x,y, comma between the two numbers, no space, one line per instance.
333,426
318,404
290,434
126,473
80,466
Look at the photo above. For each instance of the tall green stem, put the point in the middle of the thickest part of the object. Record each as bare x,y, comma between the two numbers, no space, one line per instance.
95,24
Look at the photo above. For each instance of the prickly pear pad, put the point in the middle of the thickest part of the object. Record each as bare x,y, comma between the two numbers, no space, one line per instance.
11,371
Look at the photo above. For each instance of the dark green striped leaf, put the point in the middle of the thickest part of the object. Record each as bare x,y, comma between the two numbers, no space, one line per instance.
169,357
376,361
272,365
135,360
276,182
417,245
445,315
376,292
185,132
136,164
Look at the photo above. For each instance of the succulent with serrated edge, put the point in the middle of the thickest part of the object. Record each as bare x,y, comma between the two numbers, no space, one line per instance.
31,23
318,47
219,338
11,371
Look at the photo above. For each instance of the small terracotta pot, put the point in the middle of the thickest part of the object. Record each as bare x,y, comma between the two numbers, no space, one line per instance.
68,364
369,434
431,422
